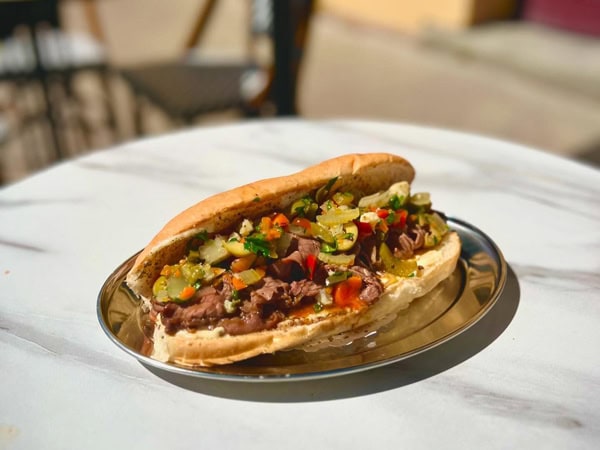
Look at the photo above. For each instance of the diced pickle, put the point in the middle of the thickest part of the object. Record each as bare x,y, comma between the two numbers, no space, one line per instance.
304,207
431,240
192,272
438,223
421,199
437,228
321,232
174,287
213,250
399,267
283,243
159,289
338,260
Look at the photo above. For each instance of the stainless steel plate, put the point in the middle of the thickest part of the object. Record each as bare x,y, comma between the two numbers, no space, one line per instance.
450,309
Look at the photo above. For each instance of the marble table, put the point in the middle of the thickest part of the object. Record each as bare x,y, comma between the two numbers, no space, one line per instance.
526,376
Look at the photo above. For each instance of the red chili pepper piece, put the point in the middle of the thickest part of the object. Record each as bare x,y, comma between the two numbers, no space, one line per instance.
311,265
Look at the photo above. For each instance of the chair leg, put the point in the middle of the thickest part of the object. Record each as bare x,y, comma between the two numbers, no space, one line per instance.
138,114
111,117
52,119
72,99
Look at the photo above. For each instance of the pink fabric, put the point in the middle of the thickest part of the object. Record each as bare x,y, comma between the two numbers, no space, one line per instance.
582,16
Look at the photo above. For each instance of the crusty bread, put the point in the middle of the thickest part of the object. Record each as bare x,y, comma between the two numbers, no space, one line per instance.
206,348
361,174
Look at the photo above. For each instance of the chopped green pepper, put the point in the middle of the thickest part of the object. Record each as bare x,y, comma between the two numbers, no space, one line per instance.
337,277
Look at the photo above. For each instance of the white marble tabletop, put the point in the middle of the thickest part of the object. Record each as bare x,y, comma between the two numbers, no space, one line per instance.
526,376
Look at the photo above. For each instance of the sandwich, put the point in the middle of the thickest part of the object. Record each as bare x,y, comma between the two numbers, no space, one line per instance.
285,262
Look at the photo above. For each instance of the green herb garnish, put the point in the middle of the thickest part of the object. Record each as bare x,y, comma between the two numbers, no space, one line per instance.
391,217
202,235
323,192
328,248
396,202
258,244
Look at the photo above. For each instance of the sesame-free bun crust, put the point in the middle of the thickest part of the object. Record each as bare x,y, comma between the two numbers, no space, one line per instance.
361,174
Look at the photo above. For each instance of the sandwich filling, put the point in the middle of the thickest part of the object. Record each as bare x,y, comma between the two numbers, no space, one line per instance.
326,254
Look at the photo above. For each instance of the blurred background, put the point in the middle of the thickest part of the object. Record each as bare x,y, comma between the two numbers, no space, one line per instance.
81,75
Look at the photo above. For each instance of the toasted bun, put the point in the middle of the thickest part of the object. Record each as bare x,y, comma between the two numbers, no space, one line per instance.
361,174
206,348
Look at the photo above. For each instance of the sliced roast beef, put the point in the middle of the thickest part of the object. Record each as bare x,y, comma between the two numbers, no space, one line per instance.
303,289
273,291
291,267
207,309
250,323
203,313
366,252
308,246
263,305
372,287
417,234
404,245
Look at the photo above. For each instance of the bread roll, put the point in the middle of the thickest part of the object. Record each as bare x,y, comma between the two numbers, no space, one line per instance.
359,174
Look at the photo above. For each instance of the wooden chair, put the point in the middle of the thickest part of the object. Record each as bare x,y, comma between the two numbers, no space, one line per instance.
187,88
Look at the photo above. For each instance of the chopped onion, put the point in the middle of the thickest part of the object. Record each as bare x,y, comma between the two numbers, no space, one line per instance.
324,297
380,199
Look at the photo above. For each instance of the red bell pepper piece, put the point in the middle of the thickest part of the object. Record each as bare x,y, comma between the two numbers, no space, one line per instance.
382,213
281,220
346,294
364,228
401,216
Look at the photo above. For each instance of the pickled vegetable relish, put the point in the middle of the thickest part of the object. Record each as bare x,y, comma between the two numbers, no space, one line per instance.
393,223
